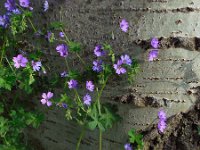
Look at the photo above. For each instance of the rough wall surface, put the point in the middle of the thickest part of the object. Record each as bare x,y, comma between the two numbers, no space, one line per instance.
166,82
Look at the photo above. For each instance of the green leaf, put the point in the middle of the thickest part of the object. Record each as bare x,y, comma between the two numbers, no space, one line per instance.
74,46
3,126
31,79
73,74
68,114
56,25
92,125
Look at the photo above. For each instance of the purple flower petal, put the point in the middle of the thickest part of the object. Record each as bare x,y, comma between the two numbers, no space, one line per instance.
49,103
97,65
127,146
126,60
46,97
24,3
62,49
43,101
49,95
10,5
162,115
124,25
61,34
154,43
118,68
153,54
87,99
20,61
46,5
72,84
90,86
98,51
36,65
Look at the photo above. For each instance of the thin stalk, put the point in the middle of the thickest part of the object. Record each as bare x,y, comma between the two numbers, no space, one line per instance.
2,53
32,25
99,96
67,40
10,65
100,139
66,62
80,59
80,138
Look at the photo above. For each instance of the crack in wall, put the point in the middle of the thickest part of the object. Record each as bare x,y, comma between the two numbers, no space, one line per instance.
150,10
192,44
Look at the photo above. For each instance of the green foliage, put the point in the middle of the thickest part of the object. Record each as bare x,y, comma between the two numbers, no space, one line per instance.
18,22
74,46
104,119
26,79
73,74
103,76
136,138
133,70
7,78
56,25
11,129
111,52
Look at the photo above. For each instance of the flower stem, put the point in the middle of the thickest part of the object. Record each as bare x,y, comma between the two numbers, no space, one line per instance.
100,139
2,53
67,64
80,59
32,25
10,65
99,96
80,138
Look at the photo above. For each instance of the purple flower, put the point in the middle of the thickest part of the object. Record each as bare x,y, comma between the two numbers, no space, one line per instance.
154,42
162,121
153,54
20,61
126,60
162,115
46,97
87,99
72,84
127,146
62,49
10,5
161,126
64,74
61,34
90,86
124,25
97,65
64,105
49,35
46,5
98,51
24,3
16,11
4,21
36,65
118,68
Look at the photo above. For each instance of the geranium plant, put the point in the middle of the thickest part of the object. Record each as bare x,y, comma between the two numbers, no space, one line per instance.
22,71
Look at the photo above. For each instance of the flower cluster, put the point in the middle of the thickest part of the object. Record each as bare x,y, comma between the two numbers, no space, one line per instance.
154,52
21,61
162,121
